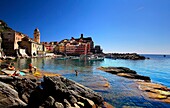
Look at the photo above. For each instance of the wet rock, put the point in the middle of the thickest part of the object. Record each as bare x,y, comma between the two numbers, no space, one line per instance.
107,105
155,91
155,95
167,100
125,72
153,85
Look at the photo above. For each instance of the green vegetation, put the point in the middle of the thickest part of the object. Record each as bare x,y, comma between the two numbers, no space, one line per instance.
4,26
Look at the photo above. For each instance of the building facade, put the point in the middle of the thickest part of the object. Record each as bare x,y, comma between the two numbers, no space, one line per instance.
10,42
33,47
78,47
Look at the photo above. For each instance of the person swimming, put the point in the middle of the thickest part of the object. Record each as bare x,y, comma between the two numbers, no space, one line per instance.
76,72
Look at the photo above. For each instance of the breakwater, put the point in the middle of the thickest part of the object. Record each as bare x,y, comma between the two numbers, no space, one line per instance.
130,56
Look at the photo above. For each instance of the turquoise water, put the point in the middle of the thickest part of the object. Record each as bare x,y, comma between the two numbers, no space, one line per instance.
123,92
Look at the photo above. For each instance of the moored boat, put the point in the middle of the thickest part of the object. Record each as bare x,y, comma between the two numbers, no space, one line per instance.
95,58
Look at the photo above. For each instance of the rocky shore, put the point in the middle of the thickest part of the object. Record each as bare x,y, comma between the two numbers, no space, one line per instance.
130,56
152,90
125,72
50,92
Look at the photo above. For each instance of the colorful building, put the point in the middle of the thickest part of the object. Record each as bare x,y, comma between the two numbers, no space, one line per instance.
49,46
78,47
10,42
32,47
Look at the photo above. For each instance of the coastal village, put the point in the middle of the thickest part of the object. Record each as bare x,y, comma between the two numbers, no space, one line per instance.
17,44
35,88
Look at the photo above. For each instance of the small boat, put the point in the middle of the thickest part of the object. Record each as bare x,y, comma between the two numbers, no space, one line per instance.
75,58
95,58
10,58
62,58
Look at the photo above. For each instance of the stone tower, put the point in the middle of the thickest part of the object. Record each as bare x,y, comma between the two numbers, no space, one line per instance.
37,35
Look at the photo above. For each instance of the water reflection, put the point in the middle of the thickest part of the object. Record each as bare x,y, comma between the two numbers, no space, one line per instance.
58,66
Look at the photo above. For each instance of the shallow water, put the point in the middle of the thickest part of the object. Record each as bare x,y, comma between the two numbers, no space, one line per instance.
123,92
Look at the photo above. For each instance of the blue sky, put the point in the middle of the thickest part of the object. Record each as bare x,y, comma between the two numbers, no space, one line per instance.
141,26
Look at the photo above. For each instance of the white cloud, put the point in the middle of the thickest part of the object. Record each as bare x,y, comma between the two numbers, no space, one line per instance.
140,8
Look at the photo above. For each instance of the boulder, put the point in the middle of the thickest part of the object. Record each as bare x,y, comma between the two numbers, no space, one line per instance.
58,105
24,87
61,87
53,92
49,102
9,96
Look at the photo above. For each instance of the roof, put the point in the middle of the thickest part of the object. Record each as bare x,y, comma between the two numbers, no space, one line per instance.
36,30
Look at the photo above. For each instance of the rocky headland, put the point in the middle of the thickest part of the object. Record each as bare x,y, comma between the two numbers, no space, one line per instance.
152,90
130,56
48,92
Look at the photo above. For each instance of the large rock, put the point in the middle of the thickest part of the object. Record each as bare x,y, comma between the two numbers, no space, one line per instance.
58,105
59,92
49,102
125,72
24,87
9,96
53,92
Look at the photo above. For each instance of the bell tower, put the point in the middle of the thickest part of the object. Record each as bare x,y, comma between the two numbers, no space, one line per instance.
37,35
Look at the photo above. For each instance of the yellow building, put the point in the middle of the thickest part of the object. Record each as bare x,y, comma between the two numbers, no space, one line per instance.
33,47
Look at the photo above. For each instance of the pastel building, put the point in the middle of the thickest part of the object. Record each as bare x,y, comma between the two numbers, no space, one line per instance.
78,47
10,42
49,46
62,45
33,47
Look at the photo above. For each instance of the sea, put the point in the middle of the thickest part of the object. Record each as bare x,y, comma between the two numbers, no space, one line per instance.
118,91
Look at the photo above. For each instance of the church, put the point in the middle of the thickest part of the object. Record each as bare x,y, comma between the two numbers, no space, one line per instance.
32,47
